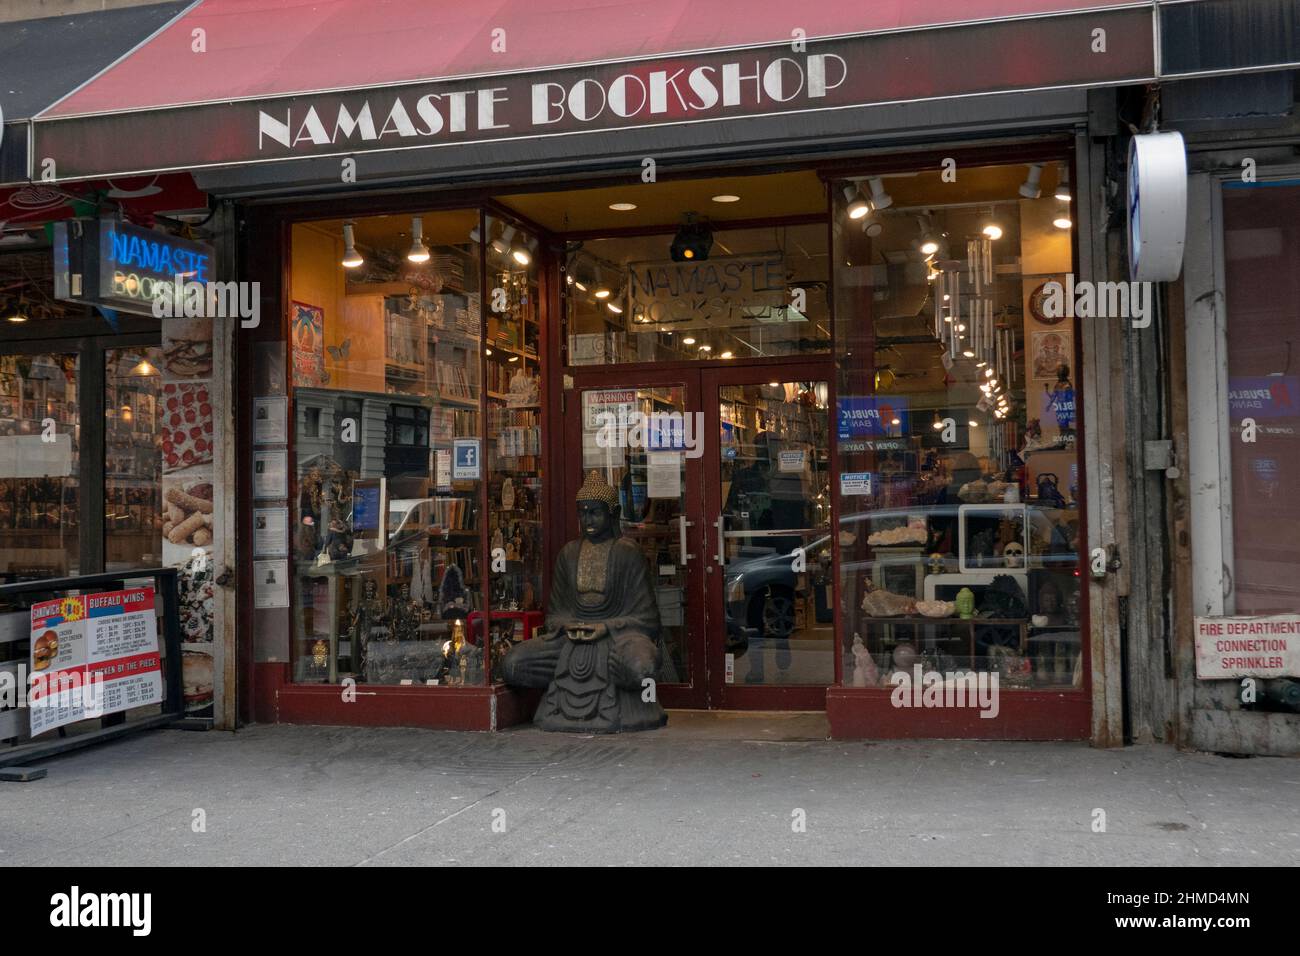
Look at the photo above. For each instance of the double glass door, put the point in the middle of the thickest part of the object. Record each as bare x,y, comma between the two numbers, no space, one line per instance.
723,478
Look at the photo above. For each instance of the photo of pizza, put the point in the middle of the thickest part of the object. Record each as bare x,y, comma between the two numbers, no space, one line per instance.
186,426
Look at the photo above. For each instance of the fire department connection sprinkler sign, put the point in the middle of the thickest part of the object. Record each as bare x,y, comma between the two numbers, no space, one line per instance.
93,655
1228,647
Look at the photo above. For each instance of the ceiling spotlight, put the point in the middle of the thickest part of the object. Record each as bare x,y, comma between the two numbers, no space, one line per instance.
726,355
351,258
522,253
858,205
601,290
501,244
726,197
1062,222
973,424
622,206
988,372
692,242
1063,185
419,251
614,307
688,341
1031,188
968,353
895,421
872,225
992,230
879,198
938,425
706,348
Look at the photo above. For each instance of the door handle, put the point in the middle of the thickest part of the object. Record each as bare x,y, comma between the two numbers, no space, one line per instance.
682,526
720,557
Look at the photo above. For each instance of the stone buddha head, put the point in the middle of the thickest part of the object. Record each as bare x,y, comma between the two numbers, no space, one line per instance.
598,509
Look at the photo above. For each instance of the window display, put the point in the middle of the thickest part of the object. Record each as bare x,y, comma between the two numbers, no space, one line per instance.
514,433
957,423
387,364
137,427
39,480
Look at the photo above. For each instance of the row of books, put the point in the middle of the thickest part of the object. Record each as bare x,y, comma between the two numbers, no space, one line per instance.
446,423
450,379
454,513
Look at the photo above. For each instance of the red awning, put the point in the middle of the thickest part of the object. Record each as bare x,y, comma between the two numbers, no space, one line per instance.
232,82
267,48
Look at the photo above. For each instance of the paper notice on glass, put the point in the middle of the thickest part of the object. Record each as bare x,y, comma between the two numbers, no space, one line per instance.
271,583
270,532
442,469
270,474
792,460
270,420
663,474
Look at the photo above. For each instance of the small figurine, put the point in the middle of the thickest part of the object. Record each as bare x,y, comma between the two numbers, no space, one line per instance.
865,673
966,604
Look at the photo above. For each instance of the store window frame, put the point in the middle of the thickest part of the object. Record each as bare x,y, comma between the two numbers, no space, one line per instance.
91,338
271,255
1209,421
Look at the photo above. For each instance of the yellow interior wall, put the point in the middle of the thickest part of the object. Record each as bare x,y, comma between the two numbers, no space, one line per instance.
318,279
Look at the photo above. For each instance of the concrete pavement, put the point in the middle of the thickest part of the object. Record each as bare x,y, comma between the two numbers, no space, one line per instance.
709,789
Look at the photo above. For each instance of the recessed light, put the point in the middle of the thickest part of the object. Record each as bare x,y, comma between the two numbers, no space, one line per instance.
622,206
727,355
726,197
706,348
688,341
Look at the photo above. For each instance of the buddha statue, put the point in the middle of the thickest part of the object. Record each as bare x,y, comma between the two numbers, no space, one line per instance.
601,639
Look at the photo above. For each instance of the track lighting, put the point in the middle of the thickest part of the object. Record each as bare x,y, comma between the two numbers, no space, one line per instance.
351,258
601,291
1031,187
879,198
858,206
419,251
1063,185
872,225
1062,221
522,252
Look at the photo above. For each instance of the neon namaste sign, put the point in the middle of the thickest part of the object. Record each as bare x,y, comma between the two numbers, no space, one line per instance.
131,250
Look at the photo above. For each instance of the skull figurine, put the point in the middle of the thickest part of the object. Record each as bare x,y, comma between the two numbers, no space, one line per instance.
1013,554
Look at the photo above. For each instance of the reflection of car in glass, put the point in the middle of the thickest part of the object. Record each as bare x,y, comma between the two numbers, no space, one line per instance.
409,521
761,587
761,584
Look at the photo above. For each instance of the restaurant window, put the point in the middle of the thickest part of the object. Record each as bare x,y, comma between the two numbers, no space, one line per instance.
136,424
40,480
1261,242
626,300
416,496
957,428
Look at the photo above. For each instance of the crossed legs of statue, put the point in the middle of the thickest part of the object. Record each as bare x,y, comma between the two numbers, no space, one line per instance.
533,663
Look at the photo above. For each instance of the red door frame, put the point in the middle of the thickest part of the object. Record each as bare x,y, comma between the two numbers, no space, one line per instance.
760,696
704,684
692,692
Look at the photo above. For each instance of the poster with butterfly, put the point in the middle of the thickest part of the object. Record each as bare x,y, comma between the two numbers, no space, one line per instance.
307,330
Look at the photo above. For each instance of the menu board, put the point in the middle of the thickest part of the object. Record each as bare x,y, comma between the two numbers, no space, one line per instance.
93,655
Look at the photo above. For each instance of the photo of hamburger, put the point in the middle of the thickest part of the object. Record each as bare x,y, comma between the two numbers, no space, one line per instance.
44,650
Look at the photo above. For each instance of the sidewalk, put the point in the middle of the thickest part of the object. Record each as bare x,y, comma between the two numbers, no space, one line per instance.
709,789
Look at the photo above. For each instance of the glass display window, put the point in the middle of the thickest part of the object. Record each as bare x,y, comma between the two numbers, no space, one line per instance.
386,358
957,428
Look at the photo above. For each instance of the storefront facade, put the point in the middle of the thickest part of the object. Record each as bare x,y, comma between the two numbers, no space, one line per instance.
850,431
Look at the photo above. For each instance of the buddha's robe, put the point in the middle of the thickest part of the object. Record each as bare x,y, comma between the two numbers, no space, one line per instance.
594,686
